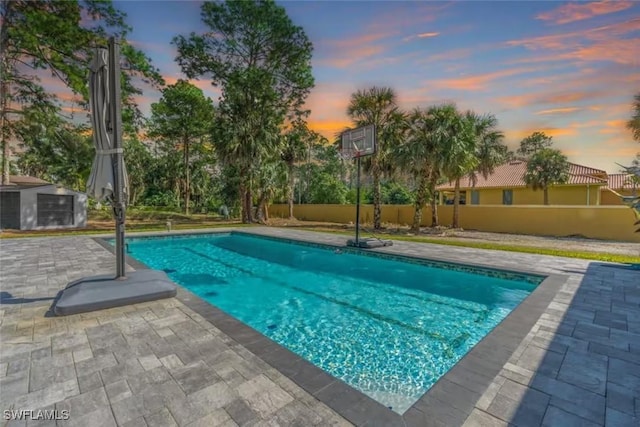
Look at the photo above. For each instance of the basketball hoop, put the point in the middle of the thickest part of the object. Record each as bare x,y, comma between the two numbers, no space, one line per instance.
354,144
348,154
358,142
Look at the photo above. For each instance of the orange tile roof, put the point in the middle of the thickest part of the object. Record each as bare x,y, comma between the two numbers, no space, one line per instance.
619,181
511,175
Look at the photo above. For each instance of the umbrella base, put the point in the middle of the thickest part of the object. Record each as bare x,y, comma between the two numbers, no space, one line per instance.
369,243
101,292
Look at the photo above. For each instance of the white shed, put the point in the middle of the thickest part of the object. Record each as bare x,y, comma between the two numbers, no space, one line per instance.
38,206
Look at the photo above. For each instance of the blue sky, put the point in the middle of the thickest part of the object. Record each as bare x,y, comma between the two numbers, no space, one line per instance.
569,69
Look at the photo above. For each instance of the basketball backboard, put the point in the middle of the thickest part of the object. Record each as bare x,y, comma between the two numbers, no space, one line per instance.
358,142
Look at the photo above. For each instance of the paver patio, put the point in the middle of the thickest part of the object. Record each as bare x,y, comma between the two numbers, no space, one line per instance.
161,363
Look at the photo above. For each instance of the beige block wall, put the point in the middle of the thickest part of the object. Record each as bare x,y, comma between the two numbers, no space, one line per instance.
597,222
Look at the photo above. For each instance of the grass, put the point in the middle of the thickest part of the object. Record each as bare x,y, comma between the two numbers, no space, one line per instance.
149,221
596,256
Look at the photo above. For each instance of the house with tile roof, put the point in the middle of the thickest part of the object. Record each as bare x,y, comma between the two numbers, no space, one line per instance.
506,186
618,184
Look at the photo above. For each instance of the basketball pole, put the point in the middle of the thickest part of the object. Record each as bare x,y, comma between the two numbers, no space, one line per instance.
358,202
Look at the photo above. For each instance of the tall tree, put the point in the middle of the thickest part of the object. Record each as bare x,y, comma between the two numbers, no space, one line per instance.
447,130
54,150
417,155
181,118
545,168
378,106
262,61
533,143
634,123
460,154
484,152
297,141
57,38
139,164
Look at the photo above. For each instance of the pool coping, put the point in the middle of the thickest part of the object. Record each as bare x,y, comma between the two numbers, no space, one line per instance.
448,402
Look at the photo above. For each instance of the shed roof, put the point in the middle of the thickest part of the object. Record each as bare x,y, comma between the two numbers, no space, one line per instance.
26,180
15,187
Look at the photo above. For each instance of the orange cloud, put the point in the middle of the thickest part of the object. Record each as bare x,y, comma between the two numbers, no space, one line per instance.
621,51
565,40
346,52
408,15
328,128
552,97
354,56
616,127
564,110
479,82
579,11
555,132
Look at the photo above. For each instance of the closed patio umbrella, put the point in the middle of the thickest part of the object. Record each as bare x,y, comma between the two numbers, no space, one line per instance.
101,184
108,178
108,181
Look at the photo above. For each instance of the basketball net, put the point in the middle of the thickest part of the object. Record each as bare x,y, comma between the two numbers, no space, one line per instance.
350,153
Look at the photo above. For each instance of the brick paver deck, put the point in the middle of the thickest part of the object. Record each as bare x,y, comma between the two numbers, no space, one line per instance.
161,363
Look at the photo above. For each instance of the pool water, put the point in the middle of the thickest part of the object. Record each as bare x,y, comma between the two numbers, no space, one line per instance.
388,328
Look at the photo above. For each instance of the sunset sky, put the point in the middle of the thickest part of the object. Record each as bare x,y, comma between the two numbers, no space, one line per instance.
568,69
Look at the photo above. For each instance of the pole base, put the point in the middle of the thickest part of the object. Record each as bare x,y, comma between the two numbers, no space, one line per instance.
369,243
100,292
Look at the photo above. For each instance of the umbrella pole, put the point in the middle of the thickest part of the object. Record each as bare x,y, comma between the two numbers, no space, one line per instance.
119,205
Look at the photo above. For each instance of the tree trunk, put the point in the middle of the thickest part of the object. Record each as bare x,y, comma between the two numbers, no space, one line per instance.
249,202
290,191
187,185
546,195
4,91
245,210
421,196
377,214
260,209
434,205
456,205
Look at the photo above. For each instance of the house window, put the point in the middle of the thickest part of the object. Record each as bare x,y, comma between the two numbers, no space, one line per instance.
475,197
507,197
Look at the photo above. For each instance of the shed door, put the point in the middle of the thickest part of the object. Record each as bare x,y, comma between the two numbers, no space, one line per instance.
54,209
10,210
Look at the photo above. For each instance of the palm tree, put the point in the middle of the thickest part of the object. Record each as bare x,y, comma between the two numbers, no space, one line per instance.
459,156
546,168
446,124
269,178
416,155
634,123
295,148
488,150
377,106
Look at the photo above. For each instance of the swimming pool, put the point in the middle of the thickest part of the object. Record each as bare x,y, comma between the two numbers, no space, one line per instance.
386,327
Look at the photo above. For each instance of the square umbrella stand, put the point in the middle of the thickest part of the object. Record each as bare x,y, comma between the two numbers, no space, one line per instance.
108,181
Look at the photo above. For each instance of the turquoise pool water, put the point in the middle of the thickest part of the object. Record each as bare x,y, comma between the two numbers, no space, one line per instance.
388,328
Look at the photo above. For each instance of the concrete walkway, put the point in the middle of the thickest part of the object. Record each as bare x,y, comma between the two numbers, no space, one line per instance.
161,363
